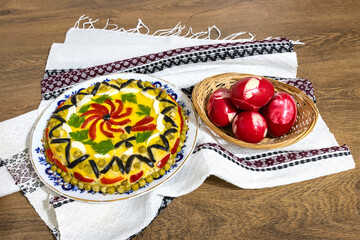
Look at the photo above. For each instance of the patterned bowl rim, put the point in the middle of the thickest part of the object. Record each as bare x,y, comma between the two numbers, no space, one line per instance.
88,83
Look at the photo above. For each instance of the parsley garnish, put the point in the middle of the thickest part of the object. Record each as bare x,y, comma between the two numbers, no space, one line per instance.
103,147
84,108
142,137
75,120
79,135
143,110
102,98
130,97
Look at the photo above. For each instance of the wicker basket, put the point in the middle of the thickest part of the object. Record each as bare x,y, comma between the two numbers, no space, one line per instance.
307,113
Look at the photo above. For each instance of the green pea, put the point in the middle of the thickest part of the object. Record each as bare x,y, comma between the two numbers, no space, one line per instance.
63,174
168,125
149,179
123,136
103,189
124,158
161,171
101,162
142,182
171,160
155,175
81,165
56,133
178,149
171,136
80,97
163,95
121,189
95,188
135,187
110,190
103,88
119,81
67,178
74,181
115,168
80,185
137,165
159,142
157,91
132,85
147,84
88,187
90,89
167,167
182,137
59,171
77,154
61,114
53,168
142,149
58,148
127,187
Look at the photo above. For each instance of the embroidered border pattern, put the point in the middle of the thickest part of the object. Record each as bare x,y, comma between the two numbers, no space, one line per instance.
56,84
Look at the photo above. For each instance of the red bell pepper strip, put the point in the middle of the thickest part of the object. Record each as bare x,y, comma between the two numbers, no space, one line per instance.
144,121
136,176
181,118
119,109
60,105
174,149
51,158
47,132
80,177
100,107
148,127
93,112
92,129
112,122
108,125
105,180
163,161
127,113
106,133
89,119
111,104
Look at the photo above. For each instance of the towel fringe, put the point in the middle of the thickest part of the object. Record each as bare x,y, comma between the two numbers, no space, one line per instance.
212,33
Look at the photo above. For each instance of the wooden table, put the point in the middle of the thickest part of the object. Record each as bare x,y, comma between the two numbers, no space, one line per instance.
323,208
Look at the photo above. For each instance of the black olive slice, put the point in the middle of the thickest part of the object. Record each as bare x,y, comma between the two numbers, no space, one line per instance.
114,86
125,84
158,96
129,163
139,84
73,99
165,141
158,146
168,101
128,144
148,88
62,108
67,153
77,161
94,168
60,140
105,83
128,129
107,168
118,144
96,88
57,117
169,119
120,164
145,160
169,131
166,110
131,138
51,131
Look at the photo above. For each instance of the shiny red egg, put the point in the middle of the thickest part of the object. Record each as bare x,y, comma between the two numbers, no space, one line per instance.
249,127
251,93
220,109
280,114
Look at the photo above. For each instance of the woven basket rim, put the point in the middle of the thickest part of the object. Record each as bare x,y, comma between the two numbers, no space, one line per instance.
232,75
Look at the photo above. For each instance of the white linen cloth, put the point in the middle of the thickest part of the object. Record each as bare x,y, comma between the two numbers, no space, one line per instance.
119,220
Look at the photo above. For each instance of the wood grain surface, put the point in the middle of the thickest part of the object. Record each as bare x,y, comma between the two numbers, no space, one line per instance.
323,208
